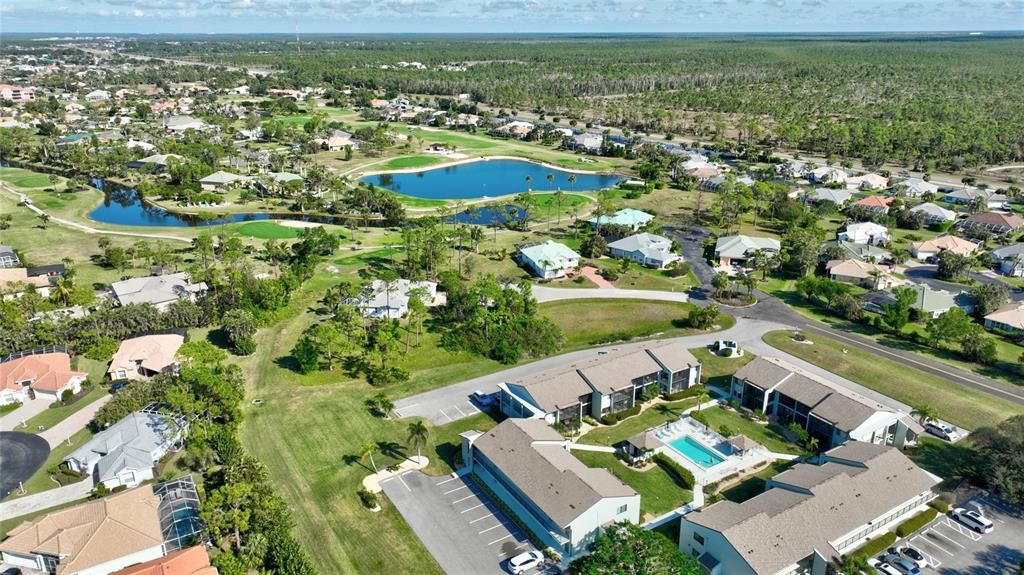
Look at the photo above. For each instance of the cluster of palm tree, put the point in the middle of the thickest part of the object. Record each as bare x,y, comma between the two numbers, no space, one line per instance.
417,438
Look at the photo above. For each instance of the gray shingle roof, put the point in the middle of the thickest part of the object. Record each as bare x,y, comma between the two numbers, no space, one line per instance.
155,289
532,455
128,444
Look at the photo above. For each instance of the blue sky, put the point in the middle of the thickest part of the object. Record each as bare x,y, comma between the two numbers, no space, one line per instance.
440,16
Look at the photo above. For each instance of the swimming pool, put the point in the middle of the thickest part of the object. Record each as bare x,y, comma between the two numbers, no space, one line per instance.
696,452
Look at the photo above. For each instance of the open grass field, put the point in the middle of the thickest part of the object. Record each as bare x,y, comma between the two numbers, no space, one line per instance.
652,417
591,322
265,230
405,162
961,406
659,493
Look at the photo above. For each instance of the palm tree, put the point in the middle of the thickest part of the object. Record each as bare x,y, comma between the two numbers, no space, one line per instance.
558,196
418,436
855,565
44,219
876,277
924,412
528,180
572,180
384,405
702,396
62,289
720,281
367,451
812,444
551,179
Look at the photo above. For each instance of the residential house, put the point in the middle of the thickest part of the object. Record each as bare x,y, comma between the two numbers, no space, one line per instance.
125,453
608,383
733,250
382,299
160,291
827,175
515,129
179,124
8,258
837,250
934,213
791,169
145,356
995,222
337,141
838,197
965,196
92,538
133,144
97,96
42,376
188,561
915,188
548,260
645,249
869,181
1010,260
14,281
220,181
858,272
1009,319
928,301
16,94
878,204
531,470
158,161
928,248
828,411
587,141
811,515
627,218
865,233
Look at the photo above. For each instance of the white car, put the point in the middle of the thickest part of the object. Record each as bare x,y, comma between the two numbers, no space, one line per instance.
973,520
941,430
904,566
525,561
885,569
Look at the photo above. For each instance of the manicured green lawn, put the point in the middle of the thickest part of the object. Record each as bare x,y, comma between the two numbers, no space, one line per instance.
659,493
754,485
267,230
957,404
447,443
40,480
652,417
411,202
404,162
717,371
766,435
54,415
591,322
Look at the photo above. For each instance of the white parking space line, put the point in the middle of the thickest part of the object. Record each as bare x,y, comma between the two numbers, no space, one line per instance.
492,529
473,407
954,526
456,489
948,538
499,540
448,480
481,518
463,499
935,544
446,416
404,483
932,560
473,507
456,408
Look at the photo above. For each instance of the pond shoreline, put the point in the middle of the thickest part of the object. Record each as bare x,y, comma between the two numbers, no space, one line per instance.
358,174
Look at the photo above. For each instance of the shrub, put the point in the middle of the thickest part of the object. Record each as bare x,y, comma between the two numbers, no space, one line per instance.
102,350
245,346
610,274
726,430
699,416
678,268
100,491
368,498
613,418
609,419
681,474
589,420
939,505
876,546
916,522
66,396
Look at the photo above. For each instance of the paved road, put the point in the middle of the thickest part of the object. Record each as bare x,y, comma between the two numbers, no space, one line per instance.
73,423
46,499
546,294
21,454
926,274
27,410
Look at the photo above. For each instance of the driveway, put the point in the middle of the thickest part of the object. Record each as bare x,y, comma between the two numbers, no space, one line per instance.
46,499
952,549
26,411
73,423
457,522
21,454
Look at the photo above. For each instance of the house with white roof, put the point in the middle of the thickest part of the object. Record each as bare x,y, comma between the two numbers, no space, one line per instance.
915,188
145,356
645,249
125,453
870,181
811,515
1010,260
160,291
934,213
838,197
179,124
97,96
158,161
827,175
626,217
945,243
220,181
548,260
391,300
530,468
1009,319
731,250
865,233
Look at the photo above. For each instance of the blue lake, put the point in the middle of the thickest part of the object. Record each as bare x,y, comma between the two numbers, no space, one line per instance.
487,178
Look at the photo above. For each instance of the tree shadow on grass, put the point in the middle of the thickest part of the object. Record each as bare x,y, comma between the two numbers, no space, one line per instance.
953,462
392,449
218,338
354,459
288,362
450,453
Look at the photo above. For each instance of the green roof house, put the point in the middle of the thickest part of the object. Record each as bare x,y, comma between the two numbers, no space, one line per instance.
548,260
626,217
928,302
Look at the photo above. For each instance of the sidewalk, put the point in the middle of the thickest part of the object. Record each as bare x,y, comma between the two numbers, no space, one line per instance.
27,410
372,482
45,500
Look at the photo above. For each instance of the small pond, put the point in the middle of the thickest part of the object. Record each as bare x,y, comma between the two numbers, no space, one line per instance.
491,178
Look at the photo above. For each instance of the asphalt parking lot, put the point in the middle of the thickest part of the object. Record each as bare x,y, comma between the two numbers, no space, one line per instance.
952,548
465,532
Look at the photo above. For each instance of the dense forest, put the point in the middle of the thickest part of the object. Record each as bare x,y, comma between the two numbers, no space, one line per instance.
926,101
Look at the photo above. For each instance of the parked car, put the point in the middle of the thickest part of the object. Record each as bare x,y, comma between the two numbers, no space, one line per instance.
904,566
910,554
484,399
525,561
119,385
941,430
973,520
883,567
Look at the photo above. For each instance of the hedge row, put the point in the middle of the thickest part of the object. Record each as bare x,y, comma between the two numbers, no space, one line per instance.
681,474
939,505
690,392
613,418
875,546
916,522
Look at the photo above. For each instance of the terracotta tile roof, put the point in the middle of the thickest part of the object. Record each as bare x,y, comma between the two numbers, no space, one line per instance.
191,561
874,202
156,352
92,533
47,372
